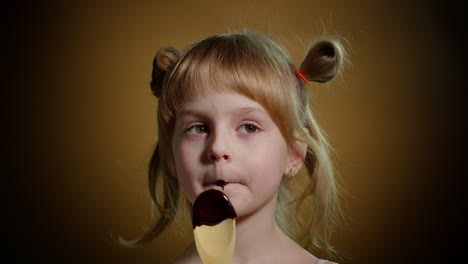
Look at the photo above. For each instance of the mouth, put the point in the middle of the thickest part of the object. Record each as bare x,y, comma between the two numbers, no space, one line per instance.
221,183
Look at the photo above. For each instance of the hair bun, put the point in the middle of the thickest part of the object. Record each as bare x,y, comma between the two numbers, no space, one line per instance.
162,63
323,61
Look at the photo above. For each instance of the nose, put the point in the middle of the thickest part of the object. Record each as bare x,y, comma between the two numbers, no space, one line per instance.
219,149
214,157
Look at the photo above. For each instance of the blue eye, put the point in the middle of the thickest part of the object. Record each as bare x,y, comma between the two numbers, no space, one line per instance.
248,129
197,130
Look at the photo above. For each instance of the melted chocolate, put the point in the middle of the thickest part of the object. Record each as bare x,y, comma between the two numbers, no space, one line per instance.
221,183
210,208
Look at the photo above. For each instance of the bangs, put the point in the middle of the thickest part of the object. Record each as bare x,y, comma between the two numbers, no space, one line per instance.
245,64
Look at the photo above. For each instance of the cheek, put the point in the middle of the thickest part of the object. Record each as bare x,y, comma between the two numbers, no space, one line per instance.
268,165
188,157
272,155
186,184
185,161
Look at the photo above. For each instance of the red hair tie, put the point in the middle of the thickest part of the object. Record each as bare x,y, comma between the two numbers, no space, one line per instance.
299,73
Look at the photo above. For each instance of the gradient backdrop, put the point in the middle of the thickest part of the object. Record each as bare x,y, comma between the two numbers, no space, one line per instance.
80,122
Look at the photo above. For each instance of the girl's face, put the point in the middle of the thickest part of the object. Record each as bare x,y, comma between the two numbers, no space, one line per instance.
227,136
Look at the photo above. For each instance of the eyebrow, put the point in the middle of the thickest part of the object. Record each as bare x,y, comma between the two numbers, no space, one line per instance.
247,110
189,113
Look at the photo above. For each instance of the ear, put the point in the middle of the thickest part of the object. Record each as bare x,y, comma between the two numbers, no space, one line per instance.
297,154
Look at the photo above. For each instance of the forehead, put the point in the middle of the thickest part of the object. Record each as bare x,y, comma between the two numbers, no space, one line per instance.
222,103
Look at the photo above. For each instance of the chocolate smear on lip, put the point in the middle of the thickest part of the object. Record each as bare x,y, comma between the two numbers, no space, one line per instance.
221,183
210,208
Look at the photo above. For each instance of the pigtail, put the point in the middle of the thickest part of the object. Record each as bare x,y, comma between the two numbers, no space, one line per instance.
163,188
162,64
164,206
323,61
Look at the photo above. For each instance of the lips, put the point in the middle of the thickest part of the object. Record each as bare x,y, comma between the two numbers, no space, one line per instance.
221,183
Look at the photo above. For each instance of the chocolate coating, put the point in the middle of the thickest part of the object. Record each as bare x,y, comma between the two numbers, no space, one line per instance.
210,208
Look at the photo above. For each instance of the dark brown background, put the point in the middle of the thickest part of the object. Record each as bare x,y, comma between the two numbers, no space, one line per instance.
78,121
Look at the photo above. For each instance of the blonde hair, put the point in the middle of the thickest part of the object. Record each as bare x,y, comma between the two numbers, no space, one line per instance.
256,67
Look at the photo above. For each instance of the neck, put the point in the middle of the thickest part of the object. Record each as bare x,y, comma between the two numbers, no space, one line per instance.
256,233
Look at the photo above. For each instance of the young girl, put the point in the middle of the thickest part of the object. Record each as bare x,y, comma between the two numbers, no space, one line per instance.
234,108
